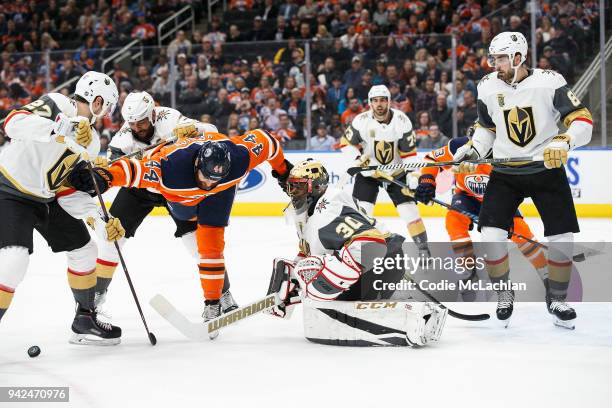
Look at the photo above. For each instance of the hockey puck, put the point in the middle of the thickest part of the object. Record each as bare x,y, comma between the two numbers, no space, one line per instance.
34,351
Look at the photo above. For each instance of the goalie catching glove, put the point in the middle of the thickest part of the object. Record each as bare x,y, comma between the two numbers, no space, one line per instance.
555,154
81,178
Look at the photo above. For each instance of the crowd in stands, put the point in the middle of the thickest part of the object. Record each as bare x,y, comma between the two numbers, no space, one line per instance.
223,77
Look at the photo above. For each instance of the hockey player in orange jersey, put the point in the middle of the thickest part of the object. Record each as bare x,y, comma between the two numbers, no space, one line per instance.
199,177
467,196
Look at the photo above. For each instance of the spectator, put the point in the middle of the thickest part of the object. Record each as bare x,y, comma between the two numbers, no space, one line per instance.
161,87
308,11
286,131
191,97
335,92
322,141
258,32
434,140
268,11
270,114
288,9
295,106
353,110
143,31
422,126
180,44
460,92
352,77
470,111
426,99
443,115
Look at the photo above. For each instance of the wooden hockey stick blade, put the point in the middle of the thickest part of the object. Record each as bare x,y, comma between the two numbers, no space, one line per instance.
200,331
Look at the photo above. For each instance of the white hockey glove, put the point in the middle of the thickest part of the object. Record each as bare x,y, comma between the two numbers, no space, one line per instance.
465,152
286,285
326,277
555,153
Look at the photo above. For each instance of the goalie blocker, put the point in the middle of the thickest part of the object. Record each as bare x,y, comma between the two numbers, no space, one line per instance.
341,305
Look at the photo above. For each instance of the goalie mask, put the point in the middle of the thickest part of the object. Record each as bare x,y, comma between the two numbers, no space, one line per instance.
307,182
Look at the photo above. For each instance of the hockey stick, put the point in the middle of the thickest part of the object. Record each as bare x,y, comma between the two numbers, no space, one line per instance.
579,257
151,336
418,165
201,332
456,315
146,149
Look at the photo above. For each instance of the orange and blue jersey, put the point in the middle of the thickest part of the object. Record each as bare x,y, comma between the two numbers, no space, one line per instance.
473,184
170,170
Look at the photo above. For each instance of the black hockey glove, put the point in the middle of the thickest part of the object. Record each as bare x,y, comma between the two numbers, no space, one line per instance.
426,190
282,178
81,178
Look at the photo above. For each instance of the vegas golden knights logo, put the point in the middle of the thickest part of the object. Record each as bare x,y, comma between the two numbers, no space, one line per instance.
520,125
500,100
383,151
60,170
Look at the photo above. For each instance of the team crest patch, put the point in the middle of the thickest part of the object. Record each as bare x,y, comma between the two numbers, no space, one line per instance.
500,100
383,151
162,114
322,205
520,125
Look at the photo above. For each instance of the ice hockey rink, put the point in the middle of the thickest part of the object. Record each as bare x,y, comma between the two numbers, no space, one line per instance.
266,361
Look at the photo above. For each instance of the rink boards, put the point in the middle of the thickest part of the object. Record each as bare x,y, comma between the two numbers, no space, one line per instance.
259,194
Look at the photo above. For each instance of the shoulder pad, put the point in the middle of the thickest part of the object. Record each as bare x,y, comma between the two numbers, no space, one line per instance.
164,114
549,78
487,84
65,104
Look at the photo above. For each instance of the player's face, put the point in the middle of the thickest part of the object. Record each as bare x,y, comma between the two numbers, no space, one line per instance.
298,191
380,106
204,182
142,129
502,66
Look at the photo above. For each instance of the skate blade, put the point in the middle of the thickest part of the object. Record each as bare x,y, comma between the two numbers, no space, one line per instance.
91,340
504,323
213,335
566,324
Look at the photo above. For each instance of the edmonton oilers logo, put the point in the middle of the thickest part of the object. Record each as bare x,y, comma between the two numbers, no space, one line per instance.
255,179
476,183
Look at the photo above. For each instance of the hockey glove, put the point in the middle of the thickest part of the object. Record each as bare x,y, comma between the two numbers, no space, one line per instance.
426,190
100,161
287,287
81,178
185,131
465,152
111,230
555,154
282,178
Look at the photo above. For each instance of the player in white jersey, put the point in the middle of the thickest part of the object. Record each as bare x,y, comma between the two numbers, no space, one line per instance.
518,114
343,303
48,137
383,135
146,125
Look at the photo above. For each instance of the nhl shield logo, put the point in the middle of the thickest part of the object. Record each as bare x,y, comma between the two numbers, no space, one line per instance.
383,151
520,125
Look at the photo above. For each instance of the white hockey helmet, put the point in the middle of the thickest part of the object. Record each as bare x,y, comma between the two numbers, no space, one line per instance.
138,106
377,91
93,84
508,43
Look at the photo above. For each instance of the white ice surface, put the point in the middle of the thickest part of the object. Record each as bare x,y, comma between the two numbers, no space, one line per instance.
267,362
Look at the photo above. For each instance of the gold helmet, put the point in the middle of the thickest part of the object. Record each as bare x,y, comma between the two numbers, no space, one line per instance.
307,182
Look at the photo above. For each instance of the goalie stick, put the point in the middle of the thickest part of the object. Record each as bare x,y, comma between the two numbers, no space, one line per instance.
418,165
199,331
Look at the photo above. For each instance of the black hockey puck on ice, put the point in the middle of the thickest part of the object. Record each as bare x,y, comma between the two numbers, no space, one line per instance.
34,351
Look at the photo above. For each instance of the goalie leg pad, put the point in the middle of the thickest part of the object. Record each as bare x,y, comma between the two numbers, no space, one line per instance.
380,323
